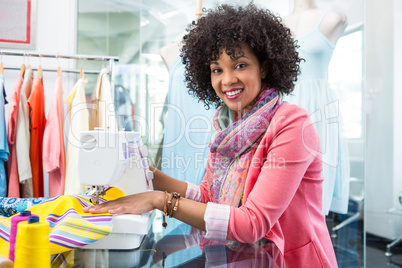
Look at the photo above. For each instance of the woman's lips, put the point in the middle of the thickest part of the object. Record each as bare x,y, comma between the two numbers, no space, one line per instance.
233,93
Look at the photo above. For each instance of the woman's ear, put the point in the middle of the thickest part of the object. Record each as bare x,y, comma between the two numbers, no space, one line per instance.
264,70
263,74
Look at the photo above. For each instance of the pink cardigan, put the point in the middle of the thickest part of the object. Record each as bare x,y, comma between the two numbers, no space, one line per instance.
282,196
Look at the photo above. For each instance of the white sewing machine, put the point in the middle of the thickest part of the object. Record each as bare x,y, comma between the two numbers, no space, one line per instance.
117,159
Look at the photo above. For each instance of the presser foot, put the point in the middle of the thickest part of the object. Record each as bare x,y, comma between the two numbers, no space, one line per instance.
96,191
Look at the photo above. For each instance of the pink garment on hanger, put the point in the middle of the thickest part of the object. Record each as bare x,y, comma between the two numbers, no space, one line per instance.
14,182
53,143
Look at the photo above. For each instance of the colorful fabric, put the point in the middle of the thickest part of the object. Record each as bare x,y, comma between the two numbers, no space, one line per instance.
14,182
10,206
235,144
70,228
53,143
3,139
36,102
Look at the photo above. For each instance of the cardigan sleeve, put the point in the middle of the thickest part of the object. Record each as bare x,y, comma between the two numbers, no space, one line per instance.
286,151
193,192
216,216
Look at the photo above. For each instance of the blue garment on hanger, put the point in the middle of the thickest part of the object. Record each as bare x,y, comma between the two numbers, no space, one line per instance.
3,140
187,131
313,93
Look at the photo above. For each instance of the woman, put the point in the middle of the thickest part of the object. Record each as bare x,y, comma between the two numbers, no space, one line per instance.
263,172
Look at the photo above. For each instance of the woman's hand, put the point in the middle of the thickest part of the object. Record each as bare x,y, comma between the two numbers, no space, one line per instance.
131,204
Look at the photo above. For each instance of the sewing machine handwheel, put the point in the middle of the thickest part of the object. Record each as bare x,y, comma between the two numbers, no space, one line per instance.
88,142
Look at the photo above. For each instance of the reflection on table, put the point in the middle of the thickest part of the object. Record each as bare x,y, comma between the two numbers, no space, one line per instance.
183,247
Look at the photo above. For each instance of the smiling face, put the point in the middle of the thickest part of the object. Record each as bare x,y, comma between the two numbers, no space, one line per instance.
237,81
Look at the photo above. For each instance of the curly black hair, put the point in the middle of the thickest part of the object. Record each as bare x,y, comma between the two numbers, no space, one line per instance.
226,28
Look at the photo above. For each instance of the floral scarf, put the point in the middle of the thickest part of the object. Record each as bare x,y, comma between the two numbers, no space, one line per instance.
234,146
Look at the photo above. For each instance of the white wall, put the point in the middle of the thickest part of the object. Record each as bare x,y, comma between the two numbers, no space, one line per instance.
383,96
397,103
56,32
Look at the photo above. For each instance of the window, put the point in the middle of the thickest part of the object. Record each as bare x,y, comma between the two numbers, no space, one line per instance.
346,79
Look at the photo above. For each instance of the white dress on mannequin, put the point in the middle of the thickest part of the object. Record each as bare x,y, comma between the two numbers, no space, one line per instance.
313,93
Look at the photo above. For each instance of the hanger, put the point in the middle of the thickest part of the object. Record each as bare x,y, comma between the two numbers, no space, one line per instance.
29,65
40,71
198,6
81,73
1,63
22,71
58,68
40,68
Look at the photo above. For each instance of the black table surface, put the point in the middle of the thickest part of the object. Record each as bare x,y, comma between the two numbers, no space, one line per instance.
182,247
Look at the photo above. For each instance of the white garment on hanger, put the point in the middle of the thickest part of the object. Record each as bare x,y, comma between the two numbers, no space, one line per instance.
79,121
103,110
23,136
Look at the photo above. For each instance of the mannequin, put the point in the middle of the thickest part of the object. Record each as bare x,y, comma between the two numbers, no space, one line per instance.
169,53
317,31
306,14
183,153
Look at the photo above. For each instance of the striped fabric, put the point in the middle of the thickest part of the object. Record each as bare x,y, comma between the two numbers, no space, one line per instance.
216,221
69,227
216,227
193,192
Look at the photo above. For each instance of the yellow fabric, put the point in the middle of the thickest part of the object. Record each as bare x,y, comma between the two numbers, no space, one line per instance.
69,227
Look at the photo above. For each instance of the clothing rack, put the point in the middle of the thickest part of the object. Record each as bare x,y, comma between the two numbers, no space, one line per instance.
110,59
55,70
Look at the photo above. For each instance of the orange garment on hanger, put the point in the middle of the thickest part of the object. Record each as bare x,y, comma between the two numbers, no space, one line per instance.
14,182
53,142
36,102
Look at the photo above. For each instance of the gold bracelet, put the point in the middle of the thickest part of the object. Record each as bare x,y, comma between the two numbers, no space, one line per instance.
170,206
177,197
164,224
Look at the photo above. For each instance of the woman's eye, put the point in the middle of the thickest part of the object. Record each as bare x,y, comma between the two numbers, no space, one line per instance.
215,70
240,65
